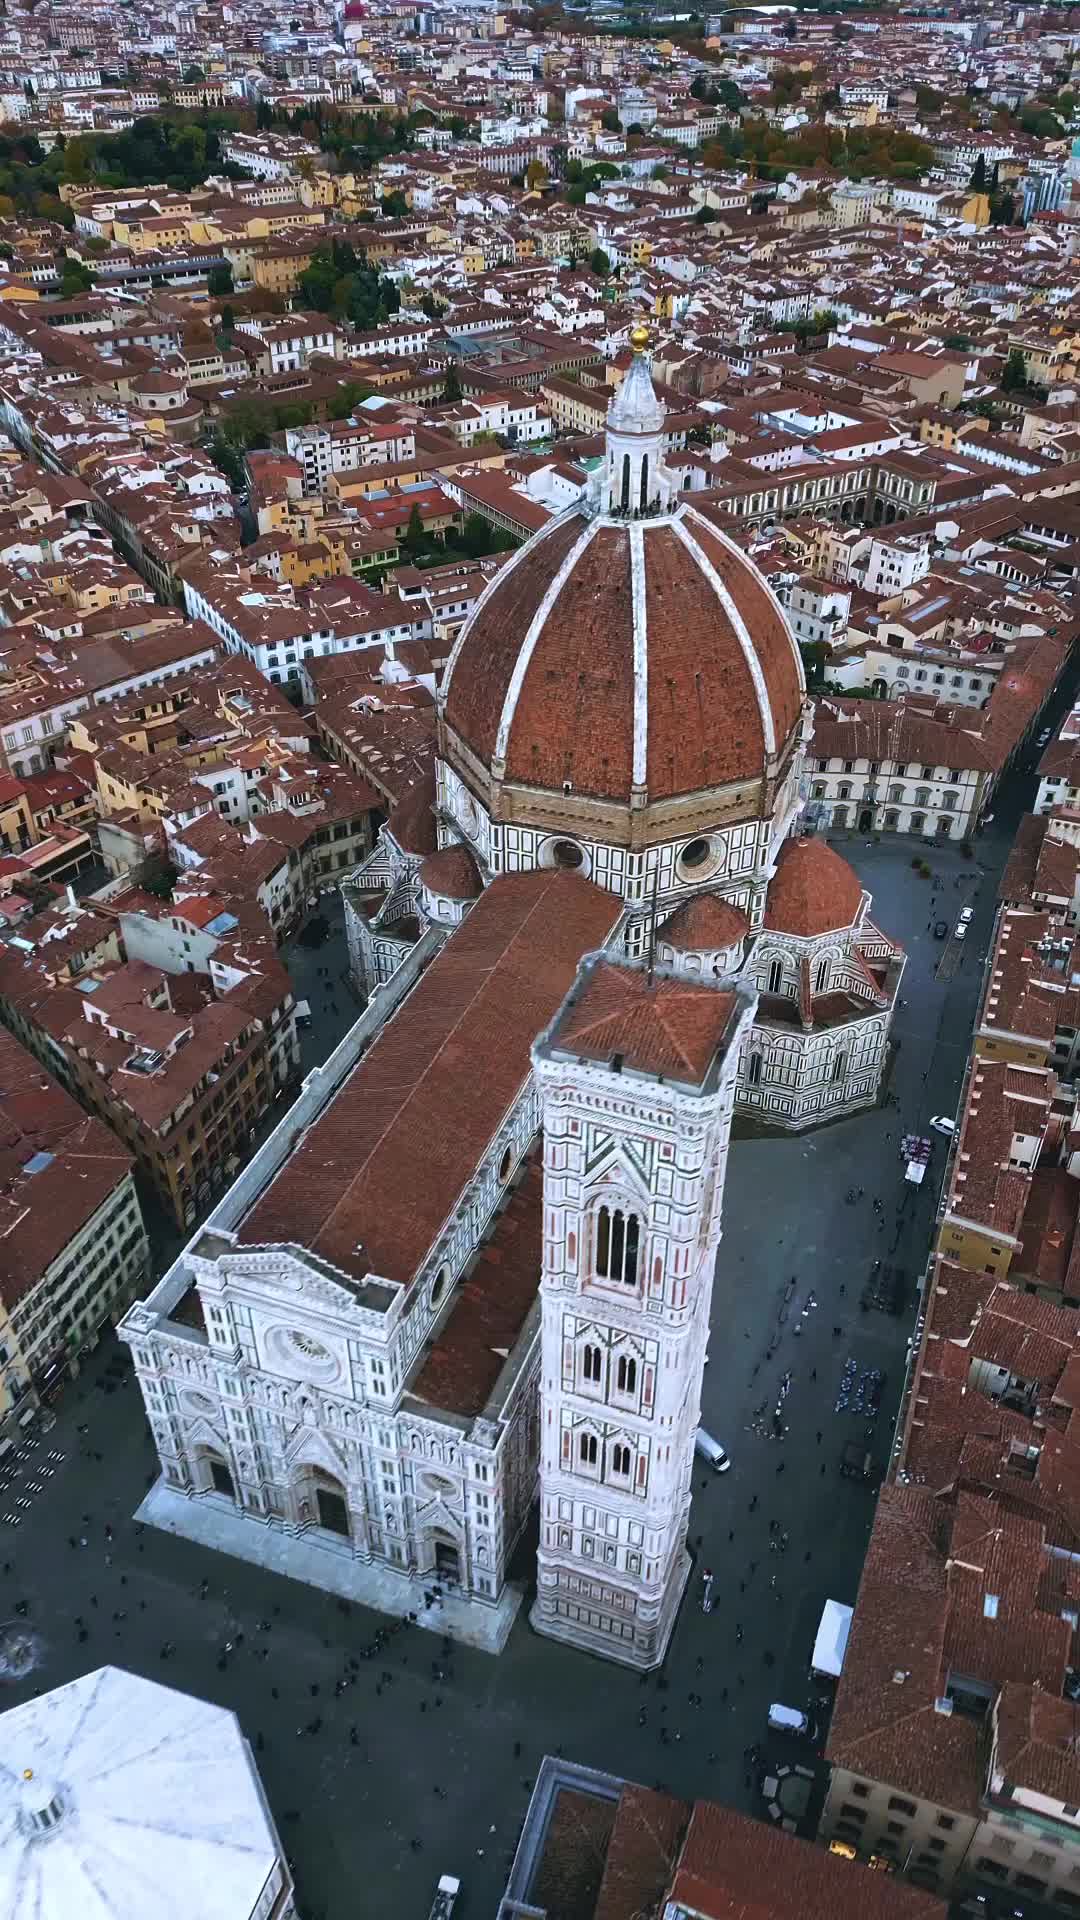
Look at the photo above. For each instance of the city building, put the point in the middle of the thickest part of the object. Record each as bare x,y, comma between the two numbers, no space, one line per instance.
628,1850
75,1250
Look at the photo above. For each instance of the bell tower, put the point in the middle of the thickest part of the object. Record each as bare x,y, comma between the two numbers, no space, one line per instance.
636,1076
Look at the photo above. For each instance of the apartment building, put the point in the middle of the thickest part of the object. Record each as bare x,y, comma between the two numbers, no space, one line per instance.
952,1744
74,1247
182,1069
877,768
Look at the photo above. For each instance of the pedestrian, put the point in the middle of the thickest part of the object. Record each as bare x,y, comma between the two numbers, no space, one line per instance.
753,1503
781,1466
819,1436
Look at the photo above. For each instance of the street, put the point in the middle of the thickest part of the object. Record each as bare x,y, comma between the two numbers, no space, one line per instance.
385,1773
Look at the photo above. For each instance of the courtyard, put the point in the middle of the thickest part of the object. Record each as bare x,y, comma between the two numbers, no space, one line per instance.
383,1773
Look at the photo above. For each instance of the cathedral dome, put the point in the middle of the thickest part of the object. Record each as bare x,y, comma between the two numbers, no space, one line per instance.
812,891
630,653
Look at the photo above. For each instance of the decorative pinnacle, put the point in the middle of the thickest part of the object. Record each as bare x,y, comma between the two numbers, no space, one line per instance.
639,337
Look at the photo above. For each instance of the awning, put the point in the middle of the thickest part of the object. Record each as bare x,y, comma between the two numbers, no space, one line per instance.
832,1638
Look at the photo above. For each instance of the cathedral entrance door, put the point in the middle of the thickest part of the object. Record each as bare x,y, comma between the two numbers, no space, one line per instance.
447,1561
333,1512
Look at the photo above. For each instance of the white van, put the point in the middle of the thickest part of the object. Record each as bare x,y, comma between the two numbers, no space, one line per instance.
711,1450
789,1720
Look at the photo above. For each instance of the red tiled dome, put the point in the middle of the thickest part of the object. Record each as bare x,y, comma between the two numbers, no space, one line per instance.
451,873
617,657
705,924
812,891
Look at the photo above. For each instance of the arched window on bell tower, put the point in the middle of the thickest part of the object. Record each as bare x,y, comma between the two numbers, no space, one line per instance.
626,483
644,496
618,1240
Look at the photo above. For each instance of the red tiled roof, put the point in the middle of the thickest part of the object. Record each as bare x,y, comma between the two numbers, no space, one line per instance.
667,1026
437,1083
735,1868
464,1361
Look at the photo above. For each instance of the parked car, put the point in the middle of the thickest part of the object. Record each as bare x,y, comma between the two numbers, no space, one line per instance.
960,930
941,928
942,1124
791,1720
1045,736
711,1451
965,915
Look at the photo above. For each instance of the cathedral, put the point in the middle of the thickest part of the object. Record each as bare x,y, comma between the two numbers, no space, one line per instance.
475,1264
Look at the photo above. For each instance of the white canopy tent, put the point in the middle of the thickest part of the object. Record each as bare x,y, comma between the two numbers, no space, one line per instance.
832,1638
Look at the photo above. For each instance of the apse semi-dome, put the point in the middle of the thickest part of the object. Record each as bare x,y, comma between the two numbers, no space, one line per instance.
813,890
630,654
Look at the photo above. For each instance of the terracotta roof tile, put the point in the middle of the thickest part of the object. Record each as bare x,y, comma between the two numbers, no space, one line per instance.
668,1026
436,1084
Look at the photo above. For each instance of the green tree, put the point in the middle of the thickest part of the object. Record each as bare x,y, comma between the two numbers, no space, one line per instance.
192,76
157,875
1040,123
977,183
610,121
219,281
452,388
599,263
229,459
1014,379
75,279
475,538
394,206
228,319
415,539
